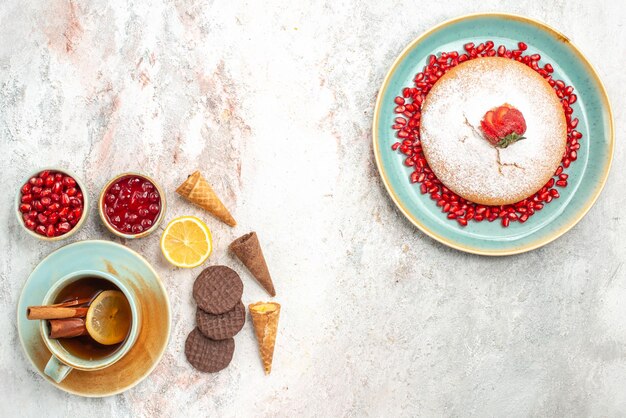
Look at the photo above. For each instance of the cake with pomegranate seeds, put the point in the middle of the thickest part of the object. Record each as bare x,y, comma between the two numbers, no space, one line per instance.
493,130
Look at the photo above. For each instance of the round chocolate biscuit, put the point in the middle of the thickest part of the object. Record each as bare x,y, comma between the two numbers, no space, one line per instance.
220,327
208,355
217,289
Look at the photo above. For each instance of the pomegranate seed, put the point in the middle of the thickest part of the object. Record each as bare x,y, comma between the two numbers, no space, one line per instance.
25,207
49,180
50,231
57,187
45,201
41,230
468,46
462,222
535,57
522,46
572,99
505,222
54,207
30,224
36,190
399,100
27,198
68,181
26,188
55,197
548,68
53,218
63,228
37,205
42,218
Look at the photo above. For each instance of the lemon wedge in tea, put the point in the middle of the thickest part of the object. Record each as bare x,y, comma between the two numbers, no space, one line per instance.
109,317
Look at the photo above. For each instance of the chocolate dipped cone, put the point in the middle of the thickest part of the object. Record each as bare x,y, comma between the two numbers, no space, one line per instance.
248,250
265,319
200,193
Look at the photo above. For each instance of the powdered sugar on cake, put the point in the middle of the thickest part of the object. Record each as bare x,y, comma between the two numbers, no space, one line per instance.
454,145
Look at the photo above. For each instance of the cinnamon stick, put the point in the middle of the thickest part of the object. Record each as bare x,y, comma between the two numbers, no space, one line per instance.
67,328
76,302
68,309
55,312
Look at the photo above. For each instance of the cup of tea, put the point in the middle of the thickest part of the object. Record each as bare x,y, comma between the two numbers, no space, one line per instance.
109,298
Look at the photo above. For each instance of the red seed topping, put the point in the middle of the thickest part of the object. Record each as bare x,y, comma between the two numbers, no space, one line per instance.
407,128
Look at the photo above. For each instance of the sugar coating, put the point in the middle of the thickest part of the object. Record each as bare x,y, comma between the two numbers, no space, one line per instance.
463,159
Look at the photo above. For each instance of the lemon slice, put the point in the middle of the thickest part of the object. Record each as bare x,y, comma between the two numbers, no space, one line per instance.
108,318
186,242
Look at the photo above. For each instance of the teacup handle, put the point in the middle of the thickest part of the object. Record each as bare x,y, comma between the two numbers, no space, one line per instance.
57,370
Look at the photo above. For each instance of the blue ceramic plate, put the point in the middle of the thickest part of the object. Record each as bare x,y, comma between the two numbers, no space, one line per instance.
587,174
137,274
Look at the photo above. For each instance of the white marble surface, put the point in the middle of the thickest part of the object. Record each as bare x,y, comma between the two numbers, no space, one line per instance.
273,101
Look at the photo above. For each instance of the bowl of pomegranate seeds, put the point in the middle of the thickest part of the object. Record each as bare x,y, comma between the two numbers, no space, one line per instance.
52,204
131,205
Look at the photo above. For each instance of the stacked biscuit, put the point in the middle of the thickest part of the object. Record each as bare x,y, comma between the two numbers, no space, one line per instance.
219,317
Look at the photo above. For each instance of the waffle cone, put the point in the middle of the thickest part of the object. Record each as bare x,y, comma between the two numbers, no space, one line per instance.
248,250
200,193
265,320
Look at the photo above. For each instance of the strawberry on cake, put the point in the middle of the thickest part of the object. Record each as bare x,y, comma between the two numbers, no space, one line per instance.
493,130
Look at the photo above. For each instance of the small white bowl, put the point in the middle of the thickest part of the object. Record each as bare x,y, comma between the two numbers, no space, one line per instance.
83,189
157,221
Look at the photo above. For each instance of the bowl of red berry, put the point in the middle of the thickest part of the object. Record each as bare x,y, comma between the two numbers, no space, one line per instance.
52,204
132,205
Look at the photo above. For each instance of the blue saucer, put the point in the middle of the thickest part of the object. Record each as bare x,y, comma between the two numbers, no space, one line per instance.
134,271
587,174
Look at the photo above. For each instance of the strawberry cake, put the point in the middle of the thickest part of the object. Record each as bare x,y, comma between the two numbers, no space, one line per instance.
493,130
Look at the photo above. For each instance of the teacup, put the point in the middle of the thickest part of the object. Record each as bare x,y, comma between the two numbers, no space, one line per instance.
62,361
